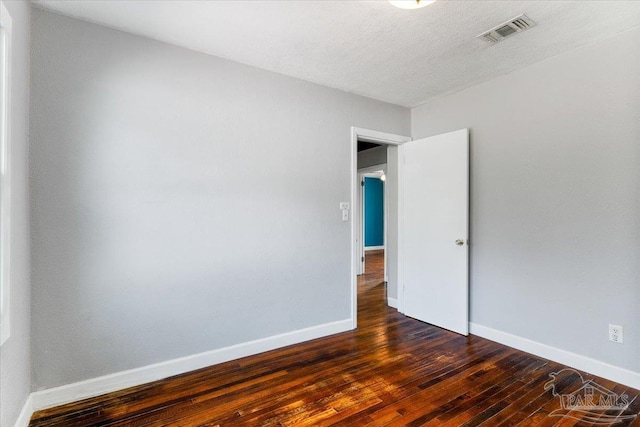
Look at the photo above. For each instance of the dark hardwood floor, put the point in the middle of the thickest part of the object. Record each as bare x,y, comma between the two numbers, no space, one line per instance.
391,371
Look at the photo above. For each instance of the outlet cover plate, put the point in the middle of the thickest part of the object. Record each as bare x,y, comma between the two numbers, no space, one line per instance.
616,334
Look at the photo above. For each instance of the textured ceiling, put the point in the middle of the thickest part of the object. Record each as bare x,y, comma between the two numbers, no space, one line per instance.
366,47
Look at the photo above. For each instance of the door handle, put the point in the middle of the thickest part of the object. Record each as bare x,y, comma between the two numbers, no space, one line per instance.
459,242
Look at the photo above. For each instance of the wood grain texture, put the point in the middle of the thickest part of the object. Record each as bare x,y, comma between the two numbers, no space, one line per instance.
391,371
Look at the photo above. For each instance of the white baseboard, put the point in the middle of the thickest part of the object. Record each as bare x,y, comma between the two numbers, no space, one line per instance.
583,363
25,414
134,377
392,302
373,248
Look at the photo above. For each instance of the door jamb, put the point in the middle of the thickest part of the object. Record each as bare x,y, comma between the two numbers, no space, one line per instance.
368,135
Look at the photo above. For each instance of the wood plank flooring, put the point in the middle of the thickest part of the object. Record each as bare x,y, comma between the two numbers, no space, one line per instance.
391,371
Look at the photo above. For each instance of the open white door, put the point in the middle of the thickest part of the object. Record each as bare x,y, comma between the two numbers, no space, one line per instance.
434,211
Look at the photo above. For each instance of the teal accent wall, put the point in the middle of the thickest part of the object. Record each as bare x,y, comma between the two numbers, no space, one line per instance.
373,212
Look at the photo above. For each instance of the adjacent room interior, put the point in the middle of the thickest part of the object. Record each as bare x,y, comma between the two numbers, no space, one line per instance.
319,213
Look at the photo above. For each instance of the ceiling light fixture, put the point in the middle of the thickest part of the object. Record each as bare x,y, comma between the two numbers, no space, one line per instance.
411,4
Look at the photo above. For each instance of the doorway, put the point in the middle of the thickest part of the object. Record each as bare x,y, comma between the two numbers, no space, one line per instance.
390,143
426,246
371,212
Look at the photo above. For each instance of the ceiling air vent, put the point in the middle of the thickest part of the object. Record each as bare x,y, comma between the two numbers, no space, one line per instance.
506,29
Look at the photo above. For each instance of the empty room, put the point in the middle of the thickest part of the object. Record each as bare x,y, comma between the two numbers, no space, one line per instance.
319,213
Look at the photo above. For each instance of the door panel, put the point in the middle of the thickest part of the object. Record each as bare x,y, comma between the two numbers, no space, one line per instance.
435,214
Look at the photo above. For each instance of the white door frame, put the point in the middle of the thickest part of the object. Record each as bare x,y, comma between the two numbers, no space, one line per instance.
369,172
378,137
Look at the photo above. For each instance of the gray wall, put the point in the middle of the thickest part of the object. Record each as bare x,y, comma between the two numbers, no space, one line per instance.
15,367
392,221
181,202
372,157
555,197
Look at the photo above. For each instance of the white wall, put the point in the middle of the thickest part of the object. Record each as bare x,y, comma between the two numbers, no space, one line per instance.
555,197
181,202
15,367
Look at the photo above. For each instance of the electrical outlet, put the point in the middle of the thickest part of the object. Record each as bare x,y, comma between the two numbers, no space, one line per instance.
616,334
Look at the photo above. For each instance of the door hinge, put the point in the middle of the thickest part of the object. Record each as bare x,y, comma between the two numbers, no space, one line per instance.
362,259
362,183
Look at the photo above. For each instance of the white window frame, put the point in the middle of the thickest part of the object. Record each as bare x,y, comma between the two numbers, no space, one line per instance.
5,177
